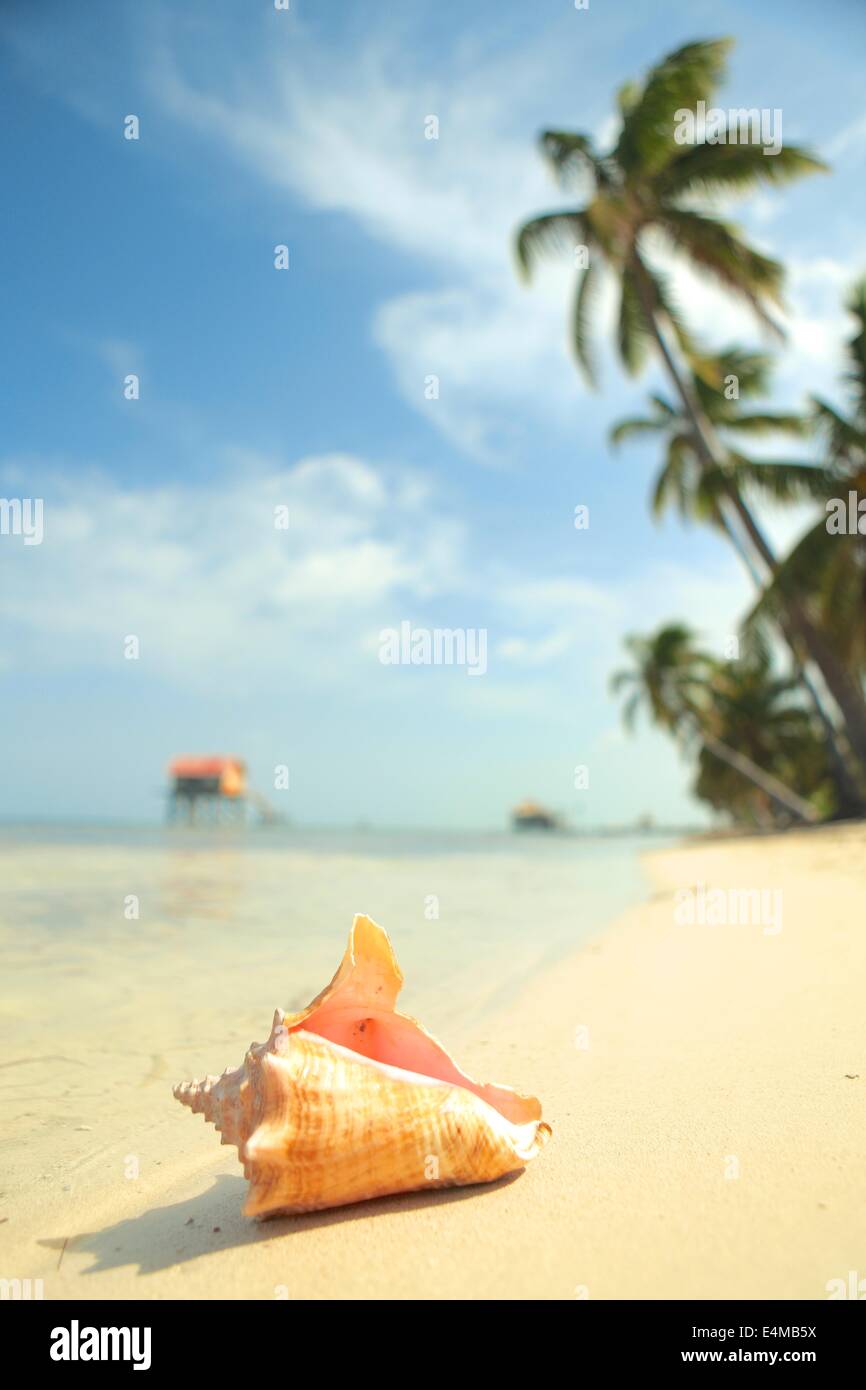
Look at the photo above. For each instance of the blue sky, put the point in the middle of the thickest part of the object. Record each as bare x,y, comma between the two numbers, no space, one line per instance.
305,388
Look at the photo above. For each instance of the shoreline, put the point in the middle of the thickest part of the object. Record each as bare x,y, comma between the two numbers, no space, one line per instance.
705,1088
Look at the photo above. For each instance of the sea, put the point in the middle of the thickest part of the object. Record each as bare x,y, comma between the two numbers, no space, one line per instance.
131,957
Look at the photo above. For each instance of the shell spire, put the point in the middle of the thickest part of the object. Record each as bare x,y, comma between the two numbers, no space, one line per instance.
227,1101
349,1099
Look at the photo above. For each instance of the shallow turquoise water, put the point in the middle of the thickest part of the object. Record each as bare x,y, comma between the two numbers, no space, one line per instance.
102,1009
265,913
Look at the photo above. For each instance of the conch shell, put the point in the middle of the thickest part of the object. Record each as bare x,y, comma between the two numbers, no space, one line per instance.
349,1099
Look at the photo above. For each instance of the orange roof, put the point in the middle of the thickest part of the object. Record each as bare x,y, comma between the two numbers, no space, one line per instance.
211,766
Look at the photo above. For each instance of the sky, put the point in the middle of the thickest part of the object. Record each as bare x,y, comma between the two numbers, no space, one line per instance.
309,389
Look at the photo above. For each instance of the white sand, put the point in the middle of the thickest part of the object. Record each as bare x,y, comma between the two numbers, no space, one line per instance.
712,1050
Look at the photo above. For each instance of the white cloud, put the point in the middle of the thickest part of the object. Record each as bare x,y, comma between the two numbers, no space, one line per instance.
554,595
500,355
356,144
849,140
524,651
343,128
209,584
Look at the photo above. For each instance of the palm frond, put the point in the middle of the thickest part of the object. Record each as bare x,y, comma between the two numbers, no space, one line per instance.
711,169
631,710
707,375
845,441
551,234
763,422
674,486
796,574
581,324
646,142
632,329
660,286
856,375
780,480
718,248
635,427
751,369
628,95
571,154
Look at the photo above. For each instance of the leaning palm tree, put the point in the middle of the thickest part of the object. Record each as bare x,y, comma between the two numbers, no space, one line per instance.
649,186
727,380
684,483
676,683
827,567
757,711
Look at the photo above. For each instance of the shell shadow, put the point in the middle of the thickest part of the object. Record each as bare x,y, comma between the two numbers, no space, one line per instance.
213,1221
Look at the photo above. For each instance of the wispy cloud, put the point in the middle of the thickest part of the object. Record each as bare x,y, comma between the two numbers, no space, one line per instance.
330,122
357,145
849,141
211,580
298,568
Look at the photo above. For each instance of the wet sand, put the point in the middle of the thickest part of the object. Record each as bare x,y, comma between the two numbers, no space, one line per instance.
704,1080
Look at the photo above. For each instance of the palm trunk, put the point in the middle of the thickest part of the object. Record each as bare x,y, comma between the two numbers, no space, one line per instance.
796,625
778,793
839,681
850,800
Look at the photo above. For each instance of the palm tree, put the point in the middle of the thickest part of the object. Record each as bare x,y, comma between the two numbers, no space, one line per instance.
755,711
648,186
827,567
697,492
677,684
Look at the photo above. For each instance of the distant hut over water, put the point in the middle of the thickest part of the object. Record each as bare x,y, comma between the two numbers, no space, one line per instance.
214,785
530,816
